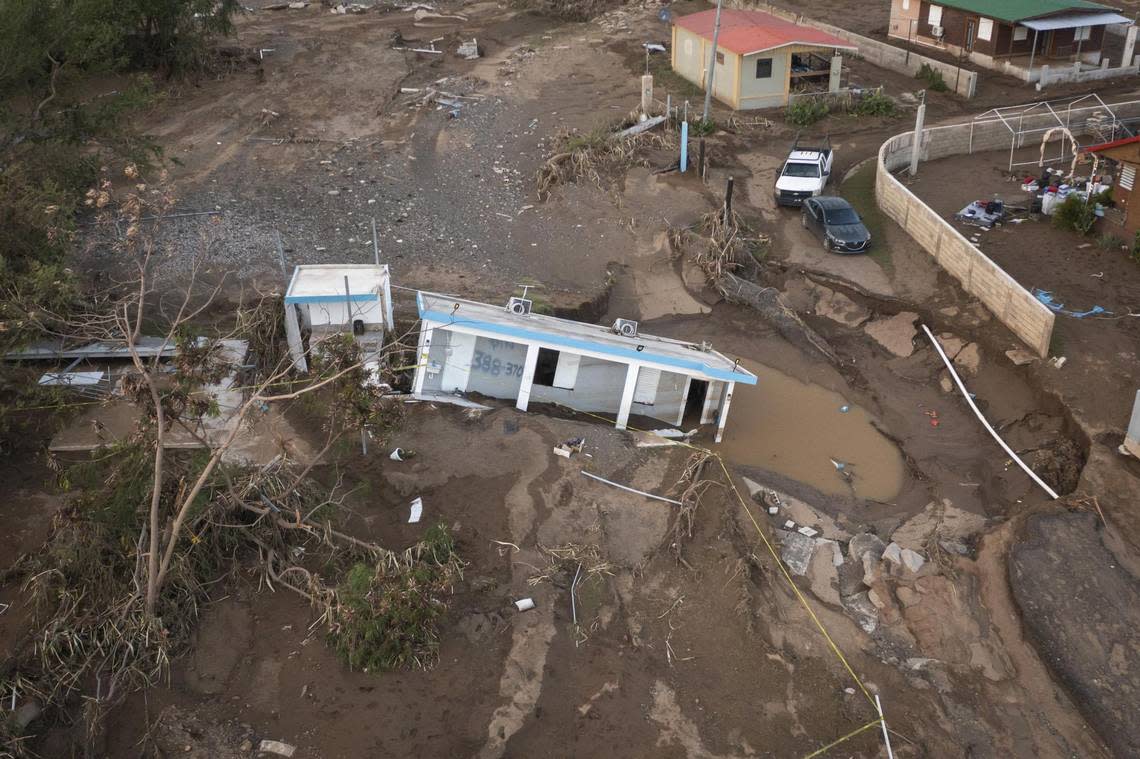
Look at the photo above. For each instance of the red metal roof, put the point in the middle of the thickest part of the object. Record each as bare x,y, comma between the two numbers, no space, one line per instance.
1103,145
745,32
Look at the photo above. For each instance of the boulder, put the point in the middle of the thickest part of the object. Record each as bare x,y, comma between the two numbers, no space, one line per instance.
865,613
850,578
952,524
912,561
945,383
862,543
872,569
795,551
908,596
824,575
893,553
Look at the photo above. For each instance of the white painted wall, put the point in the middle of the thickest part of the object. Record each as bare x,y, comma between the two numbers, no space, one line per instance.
335,313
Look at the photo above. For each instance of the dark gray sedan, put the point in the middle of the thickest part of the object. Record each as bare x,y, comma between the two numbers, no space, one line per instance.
835,222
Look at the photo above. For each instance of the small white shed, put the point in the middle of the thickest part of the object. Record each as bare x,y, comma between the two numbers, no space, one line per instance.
325,299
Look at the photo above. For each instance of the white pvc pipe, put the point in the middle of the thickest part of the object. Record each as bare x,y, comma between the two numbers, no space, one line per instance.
632,490
969,400
883,724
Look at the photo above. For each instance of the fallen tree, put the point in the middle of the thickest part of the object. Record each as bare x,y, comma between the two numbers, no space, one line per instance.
722,244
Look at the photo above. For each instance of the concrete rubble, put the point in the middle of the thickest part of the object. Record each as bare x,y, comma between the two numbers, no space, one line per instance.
841,309
895,333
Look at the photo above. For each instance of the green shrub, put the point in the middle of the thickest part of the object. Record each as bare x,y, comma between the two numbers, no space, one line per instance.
1075,215
1134,253
702,127
932,77
875,104
806,111
387,613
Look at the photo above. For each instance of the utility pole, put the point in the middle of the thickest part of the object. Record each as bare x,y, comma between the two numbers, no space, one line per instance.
712,62
916,143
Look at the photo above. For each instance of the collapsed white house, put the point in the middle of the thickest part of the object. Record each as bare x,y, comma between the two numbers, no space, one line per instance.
326,299
511,353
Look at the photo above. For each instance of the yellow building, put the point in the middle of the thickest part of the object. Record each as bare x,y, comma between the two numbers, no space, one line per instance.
759,57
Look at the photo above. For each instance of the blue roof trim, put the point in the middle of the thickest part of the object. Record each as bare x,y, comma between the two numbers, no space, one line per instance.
355,297
569,342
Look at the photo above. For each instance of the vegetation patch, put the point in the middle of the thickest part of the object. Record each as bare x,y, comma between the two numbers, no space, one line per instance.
1075,215
932,77
385,615
806,111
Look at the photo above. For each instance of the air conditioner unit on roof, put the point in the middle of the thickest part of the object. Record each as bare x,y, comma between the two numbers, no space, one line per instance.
520,306
625,327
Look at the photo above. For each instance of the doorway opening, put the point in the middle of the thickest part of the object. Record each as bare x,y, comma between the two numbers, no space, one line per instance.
695,403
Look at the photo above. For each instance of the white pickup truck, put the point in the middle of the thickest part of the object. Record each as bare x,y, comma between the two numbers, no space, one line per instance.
804,173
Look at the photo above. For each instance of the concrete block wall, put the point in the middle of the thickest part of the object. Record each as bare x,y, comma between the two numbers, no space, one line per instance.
1011,303
883,55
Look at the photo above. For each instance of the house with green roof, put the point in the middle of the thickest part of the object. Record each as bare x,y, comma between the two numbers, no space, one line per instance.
1013,36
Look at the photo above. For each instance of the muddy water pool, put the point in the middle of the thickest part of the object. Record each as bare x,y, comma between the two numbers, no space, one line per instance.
800,430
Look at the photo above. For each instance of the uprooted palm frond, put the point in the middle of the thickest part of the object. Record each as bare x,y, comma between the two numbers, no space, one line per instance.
719,243
599,157
692,486
562,560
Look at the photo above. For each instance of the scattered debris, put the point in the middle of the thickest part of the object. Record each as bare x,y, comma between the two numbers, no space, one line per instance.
1020,356
469,50
654,47
570,447
524,604
1046,299
417,512
796,551
638,128
399,454
277,747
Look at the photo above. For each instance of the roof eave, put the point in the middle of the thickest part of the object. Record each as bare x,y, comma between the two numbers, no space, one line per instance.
802,44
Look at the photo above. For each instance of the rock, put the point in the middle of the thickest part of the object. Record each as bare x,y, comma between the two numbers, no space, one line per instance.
908,596
841,309
28,713
1020,356
893,553
865,613
796,551
872,569
850,578
895,333
951,344
968,359
955,547
824,575
912,561
876,598
949,311
952,524
864,542
945,382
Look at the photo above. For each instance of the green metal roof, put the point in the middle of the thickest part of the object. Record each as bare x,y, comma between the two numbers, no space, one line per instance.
1020,10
